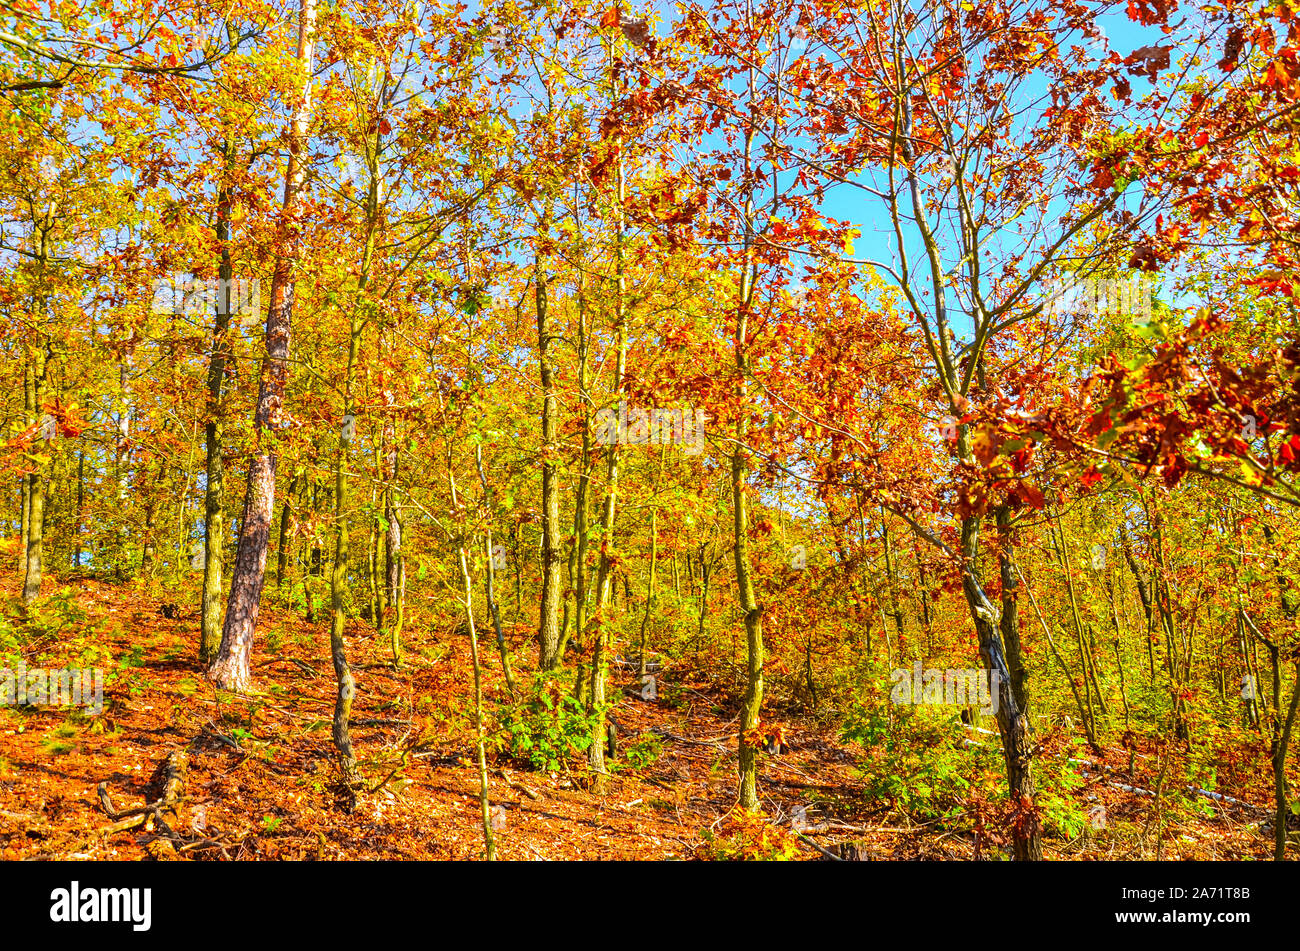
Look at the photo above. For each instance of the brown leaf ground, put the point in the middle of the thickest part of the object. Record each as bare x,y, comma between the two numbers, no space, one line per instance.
263,783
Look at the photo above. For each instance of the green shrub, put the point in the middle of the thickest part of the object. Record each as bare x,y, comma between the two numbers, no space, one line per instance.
547,729
52,615
1056,779
917,759
641,754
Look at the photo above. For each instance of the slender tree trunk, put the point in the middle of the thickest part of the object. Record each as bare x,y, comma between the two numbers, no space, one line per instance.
1119,657
752,702
604,578
346,685
36,489
1165,610
490,582
485,806
1144,596
891,577
1065,668
1102,705
1280,746
654,562
1089,683
214,492
81,506
548,626
705,572
231,669
286,522
577,565
29,410
925,602
393,558
374,561
150,524
605,575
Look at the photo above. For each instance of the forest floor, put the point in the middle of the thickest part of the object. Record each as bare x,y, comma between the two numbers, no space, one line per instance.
262,781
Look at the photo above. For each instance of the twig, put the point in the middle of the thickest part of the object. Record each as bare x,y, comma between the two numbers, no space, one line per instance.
222,738
291,660
716,742
826,852
518,786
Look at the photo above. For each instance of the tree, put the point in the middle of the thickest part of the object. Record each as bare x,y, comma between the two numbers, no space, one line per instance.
230,670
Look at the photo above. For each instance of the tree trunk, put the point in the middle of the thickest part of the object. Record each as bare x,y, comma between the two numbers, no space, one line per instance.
752,702
374,568
286,520
1009,622
548,626
1281,744
393,570
705,572
485,806
231,668
1165,610
344,681
81,506
490,581
346,685
36,480
604,577
654,562
891,577
214,492
605,574
1013,724
25,516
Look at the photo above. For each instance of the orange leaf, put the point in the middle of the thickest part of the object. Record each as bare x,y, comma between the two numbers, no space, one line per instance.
611,17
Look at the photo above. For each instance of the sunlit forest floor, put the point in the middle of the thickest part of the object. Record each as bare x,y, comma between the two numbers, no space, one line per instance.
262,781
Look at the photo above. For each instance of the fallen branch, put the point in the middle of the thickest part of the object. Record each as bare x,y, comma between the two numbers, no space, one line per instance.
1100,769
113,813
826,852
373,721
518,786
291,660
174,772
222,738
716,742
